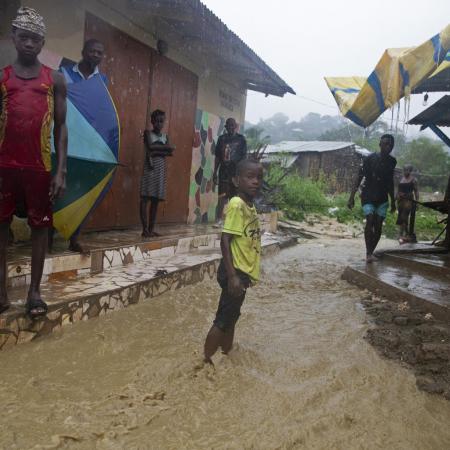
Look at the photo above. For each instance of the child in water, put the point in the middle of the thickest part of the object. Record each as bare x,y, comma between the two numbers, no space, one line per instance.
153,183
241,249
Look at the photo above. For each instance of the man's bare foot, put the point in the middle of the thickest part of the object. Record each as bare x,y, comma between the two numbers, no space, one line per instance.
370,259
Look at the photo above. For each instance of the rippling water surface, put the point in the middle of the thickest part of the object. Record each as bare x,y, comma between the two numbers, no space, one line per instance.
300,376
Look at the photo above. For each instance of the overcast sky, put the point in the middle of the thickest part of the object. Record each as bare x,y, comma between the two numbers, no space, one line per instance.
305,40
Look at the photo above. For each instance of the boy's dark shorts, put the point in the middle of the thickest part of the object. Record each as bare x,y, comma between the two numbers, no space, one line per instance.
229,308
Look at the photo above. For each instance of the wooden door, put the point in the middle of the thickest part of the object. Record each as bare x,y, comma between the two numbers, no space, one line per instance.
174,90
140,81
127,65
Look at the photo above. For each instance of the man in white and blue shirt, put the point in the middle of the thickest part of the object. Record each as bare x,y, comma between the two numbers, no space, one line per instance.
92,55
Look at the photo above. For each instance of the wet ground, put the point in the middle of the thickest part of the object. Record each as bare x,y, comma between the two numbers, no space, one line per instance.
300,376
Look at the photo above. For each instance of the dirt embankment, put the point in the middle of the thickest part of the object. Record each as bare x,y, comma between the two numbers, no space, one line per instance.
415,338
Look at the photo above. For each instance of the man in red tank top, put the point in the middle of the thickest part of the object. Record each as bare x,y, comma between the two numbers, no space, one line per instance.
32,99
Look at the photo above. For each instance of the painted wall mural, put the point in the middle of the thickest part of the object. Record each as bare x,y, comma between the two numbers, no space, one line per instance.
202,191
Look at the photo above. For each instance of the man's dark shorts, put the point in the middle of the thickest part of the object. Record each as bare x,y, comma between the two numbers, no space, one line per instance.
229,308
26,187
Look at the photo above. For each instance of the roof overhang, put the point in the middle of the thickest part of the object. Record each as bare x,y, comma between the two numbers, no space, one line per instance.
204,38
437,83
437,114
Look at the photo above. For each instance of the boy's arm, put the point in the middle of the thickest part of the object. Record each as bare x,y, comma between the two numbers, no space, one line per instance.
351,200
217,159
58,185
235,286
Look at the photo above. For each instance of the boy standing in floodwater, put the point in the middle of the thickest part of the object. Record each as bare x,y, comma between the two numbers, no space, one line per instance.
241,251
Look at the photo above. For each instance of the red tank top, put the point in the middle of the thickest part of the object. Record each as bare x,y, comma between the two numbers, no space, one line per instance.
26,118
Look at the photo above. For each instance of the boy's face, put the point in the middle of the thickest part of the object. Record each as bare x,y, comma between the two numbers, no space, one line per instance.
158,122
28,44
385,146
249,180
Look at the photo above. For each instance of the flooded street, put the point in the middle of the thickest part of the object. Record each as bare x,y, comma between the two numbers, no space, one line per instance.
301,374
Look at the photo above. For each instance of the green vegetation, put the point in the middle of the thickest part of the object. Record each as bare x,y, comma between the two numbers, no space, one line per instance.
298,197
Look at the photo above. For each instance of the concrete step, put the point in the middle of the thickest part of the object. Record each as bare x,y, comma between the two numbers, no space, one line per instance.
421,280
117,287
115,248
438,264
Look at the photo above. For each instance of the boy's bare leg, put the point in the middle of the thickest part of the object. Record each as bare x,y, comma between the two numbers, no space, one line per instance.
227,340
4,234
39,243
213,340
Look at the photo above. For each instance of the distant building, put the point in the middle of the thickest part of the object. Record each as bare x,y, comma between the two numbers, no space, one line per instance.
338,162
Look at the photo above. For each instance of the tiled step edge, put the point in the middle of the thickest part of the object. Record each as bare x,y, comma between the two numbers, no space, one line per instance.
394,293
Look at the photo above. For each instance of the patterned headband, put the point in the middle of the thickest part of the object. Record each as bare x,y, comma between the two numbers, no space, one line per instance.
29,20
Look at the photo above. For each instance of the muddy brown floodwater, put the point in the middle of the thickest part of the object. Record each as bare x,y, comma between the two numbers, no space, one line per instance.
300,376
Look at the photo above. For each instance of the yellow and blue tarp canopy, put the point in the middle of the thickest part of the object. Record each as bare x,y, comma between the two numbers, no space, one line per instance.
398,72
92,154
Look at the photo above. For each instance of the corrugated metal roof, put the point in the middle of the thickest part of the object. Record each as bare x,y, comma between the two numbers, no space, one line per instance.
307,146
205,26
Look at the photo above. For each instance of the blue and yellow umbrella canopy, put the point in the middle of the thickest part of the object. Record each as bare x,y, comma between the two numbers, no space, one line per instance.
93,152
398,72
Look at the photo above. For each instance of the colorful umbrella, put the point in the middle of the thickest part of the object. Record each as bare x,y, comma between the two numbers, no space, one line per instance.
93,152
398,72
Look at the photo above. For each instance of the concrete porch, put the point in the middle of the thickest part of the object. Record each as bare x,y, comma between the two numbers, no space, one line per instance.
417,273
121,269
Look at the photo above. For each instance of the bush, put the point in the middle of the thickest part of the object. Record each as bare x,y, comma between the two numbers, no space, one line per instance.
298,197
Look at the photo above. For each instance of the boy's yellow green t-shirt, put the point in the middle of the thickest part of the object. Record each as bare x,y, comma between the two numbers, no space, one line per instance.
242,221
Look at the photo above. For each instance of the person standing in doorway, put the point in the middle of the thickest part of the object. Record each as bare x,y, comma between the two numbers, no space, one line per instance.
153,183
378,174
231,148
33,99
92,55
